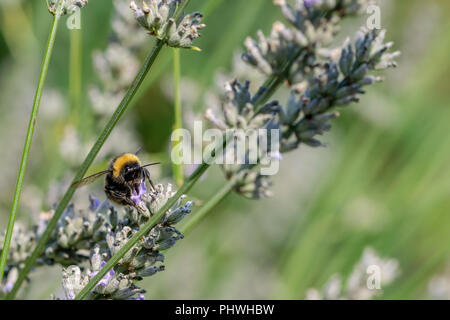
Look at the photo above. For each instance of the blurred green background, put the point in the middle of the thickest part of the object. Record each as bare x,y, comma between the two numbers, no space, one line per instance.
382,182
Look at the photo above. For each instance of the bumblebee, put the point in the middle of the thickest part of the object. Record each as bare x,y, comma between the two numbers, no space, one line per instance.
124,180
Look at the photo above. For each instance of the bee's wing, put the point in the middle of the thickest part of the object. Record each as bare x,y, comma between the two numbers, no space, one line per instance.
89,179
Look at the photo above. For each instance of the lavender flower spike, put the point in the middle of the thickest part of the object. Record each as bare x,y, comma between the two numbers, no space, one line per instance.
137,197
309,3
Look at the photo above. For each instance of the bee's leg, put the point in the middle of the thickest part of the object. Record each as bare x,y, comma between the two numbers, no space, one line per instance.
147,175
118,197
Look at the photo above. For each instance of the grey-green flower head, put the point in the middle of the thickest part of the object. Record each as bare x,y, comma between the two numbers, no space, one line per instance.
253,185
239,114
313,24
66,6
339,84
183,34
238,109
158,17
73,281
270,54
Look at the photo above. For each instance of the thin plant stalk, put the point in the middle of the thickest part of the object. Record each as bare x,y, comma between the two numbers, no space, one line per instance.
123,106
178,123
75,75
28,140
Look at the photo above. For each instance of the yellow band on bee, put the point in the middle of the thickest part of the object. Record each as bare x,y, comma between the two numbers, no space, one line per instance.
122,160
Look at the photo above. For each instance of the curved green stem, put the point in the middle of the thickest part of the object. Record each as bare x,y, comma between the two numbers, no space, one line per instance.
27,146
123,106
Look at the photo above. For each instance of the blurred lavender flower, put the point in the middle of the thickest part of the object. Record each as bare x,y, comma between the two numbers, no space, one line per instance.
439,285
125,27
356,287
10,280
309,3
116,67
71,147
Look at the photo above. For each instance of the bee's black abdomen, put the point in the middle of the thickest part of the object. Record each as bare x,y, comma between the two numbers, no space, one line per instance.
117,192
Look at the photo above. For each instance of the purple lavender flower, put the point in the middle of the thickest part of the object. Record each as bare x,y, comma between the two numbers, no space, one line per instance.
94,203
309,3
106,278
137,196
140,297
8,287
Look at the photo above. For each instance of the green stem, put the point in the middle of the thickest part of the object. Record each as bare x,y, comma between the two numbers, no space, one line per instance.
75,70
206,208
28,139
145,228
178,124
123,106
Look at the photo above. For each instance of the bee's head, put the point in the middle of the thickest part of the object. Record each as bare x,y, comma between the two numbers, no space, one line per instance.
126,165
132,171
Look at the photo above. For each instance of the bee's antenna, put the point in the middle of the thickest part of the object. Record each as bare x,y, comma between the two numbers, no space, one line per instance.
145,165
150,164
138,150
